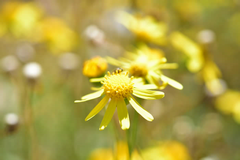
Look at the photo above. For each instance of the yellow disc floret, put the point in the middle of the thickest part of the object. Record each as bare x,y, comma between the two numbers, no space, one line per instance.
118,85
138,70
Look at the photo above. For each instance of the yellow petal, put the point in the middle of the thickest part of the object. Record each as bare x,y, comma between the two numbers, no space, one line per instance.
123,115
146,86
167,66
152,79
108,114
147,94
83,100
93,95
98,108
172,82
154,63
97,79
139,109
116,62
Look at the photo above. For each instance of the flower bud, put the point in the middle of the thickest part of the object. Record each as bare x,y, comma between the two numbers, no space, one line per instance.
94,67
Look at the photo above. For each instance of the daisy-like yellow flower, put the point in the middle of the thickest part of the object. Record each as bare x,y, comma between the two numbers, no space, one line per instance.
117,87
145,28
147,64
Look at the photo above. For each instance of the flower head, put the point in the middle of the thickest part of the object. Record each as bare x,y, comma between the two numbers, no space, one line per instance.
117,87
147,64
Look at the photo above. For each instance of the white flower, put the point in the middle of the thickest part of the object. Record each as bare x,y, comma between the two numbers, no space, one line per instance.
9,63
11,119
206,36
68,61
32,70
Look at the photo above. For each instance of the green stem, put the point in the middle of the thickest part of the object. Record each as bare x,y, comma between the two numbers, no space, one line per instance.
28,121
132,134
129,138
135,129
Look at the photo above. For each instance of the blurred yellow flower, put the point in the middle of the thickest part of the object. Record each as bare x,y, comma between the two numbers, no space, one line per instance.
95,67
229,103
21,18
191,49
187,9
120,152
145,28
117,87
199,62
102,154
211,74
59,37
170,150
147,63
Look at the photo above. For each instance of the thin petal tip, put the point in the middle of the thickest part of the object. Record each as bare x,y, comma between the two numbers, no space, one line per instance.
102,128
150,119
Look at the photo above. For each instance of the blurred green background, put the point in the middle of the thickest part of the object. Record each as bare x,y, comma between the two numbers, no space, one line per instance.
59,35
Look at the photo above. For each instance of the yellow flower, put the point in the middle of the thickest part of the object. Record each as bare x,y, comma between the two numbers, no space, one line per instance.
94,67
211,74
117,87
58,35
147,63
21,18
170,150
120,152
191,49
199,62
145,28
102,154
229,103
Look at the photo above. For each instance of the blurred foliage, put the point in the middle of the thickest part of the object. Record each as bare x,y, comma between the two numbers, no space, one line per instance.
200,122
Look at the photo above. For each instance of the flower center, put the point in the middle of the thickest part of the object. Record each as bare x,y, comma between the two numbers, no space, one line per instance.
118,85
138,70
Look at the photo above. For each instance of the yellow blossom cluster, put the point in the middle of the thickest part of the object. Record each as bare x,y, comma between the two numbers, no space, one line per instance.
168,150
26,20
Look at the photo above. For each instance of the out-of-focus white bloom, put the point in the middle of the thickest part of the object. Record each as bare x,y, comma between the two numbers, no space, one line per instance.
212,124
68,61
206,36
32,70
210,158
11,119
9,63
25,52
94,34
183,127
